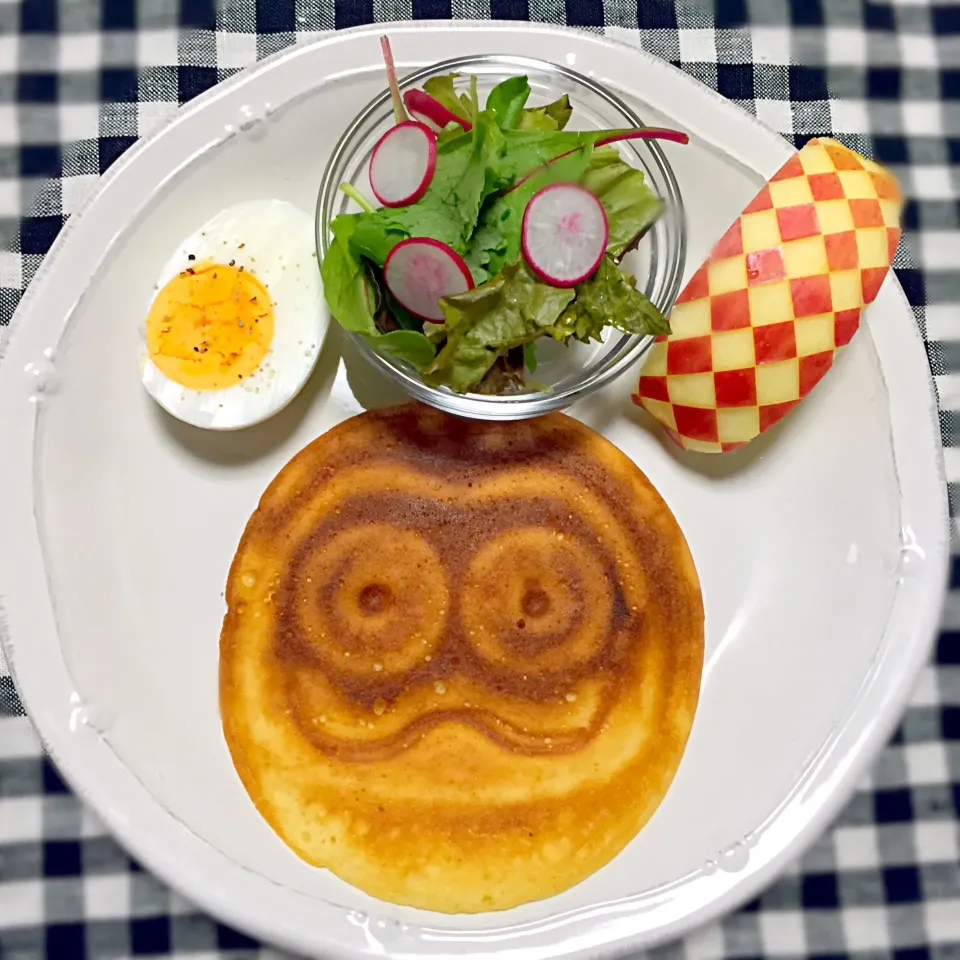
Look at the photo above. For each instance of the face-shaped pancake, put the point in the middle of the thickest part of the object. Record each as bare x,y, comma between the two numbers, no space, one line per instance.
460,660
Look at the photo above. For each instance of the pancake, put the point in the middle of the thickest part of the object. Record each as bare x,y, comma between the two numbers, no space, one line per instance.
460,660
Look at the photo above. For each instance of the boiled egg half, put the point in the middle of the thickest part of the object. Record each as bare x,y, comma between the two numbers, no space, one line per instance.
237,319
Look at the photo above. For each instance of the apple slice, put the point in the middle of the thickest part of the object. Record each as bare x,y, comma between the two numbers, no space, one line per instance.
787,305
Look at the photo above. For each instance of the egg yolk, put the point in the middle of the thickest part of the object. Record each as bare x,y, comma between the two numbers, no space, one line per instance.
210,327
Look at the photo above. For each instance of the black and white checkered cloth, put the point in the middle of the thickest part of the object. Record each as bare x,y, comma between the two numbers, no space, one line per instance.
81,80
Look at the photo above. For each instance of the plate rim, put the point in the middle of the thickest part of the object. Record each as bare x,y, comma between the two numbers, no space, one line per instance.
79,753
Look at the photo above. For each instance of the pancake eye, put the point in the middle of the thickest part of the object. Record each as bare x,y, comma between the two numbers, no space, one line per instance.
537,601
358,602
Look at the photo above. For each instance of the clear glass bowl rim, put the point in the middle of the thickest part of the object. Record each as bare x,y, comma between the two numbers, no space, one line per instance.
520,406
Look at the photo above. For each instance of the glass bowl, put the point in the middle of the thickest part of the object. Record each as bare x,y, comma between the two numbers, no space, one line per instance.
565,373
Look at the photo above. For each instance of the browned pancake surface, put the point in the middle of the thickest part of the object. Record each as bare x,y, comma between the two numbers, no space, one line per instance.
460,660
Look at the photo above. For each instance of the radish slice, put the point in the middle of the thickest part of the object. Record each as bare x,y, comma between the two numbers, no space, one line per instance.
564,233
425,120
423,105
402,163
419,271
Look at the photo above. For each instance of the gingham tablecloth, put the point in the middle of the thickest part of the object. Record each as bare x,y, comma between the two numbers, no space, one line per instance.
79,82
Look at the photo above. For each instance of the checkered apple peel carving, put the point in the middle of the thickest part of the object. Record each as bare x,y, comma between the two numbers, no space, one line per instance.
759,324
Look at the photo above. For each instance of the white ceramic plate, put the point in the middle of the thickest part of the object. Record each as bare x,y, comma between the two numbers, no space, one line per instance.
821,547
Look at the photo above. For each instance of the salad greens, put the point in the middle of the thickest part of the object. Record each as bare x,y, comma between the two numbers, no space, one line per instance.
510,310
609,298
631,208
442,88
355,299
496,239
487,169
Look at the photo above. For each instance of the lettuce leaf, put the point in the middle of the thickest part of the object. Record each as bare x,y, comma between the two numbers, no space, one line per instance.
496,240
354,298
631,206
375,235
506,376
441,88
554,116
505,101
530,357
512,309
609,298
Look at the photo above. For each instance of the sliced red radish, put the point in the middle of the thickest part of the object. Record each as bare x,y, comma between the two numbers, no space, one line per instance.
400,115
419,271
425,120
402,163
426,108
564,233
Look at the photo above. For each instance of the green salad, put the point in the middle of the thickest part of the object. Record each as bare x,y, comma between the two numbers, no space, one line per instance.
468,230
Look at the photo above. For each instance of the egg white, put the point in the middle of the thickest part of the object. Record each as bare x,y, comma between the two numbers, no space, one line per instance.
274,241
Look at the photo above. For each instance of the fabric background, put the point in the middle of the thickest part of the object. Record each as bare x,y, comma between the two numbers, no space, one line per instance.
81,80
